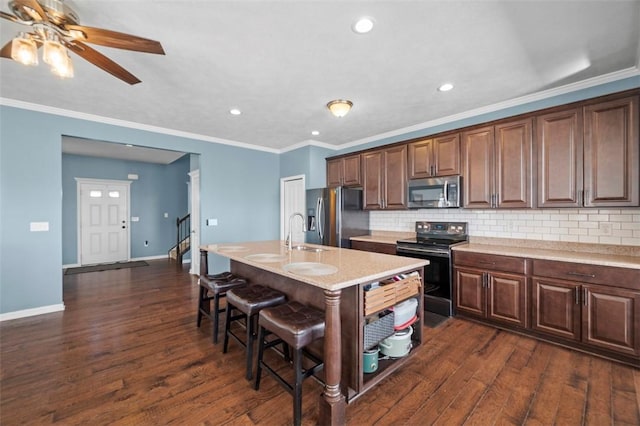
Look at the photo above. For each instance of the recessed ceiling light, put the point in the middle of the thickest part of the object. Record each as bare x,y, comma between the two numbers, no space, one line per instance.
445,87
315,133
235,111
363,25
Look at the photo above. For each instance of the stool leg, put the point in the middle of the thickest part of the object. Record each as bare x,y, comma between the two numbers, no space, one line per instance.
227,327
261,336
201,304
216,314
250,338
297,387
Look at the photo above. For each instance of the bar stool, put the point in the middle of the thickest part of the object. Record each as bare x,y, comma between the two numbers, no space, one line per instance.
214,287
296,325
249,300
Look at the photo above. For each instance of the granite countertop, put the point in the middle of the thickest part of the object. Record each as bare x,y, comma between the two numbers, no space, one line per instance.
352,267
384,237
618,256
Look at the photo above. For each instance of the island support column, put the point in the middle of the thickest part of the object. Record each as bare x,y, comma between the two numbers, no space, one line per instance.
331,409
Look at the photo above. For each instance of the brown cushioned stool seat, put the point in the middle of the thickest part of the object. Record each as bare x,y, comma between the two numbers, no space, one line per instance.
249,300
213,288
296,325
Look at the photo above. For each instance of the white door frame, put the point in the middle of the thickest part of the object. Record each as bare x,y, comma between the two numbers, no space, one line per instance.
79,182
194,210
284,216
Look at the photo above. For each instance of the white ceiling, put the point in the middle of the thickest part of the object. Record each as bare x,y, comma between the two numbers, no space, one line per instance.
280,62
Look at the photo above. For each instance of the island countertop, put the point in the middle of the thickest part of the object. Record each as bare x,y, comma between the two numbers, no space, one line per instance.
352,267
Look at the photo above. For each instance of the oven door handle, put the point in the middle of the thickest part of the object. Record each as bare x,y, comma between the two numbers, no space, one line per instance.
421,253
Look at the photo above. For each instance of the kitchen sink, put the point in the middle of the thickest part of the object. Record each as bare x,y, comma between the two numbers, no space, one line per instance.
307,248
310,268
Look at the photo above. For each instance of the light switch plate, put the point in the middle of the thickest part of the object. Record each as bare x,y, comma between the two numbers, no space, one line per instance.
212,222
135,219
39,226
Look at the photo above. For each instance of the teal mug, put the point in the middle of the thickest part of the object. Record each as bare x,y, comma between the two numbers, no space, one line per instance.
370,360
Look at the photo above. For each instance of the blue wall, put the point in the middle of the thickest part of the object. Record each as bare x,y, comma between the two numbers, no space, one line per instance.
239,187
159,189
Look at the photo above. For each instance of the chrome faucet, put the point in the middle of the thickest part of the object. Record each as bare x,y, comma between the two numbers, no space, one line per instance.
289,242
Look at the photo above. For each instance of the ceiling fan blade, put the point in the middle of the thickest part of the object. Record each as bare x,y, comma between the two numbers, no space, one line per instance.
5,52
118,40
10,17
101,61
33,5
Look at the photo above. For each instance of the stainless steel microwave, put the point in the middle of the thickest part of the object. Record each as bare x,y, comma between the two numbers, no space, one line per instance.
435,193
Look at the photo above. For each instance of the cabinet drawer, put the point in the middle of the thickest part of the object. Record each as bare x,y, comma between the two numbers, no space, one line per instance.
490,262
373,246
587,273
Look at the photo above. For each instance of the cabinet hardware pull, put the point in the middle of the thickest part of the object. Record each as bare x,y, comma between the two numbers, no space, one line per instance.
577,295
578,274
487,262
431,170
581,197
586,201
584,296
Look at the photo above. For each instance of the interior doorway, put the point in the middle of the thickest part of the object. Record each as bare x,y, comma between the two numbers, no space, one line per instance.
194,209
292,200
103,225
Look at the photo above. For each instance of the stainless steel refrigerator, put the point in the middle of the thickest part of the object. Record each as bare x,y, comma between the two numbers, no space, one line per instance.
334,215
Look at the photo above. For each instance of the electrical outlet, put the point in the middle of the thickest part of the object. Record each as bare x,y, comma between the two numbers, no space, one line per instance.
606,228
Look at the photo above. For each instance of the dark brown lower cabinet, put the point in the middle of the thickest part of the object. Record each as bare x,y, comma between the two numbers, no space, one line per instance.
600,316
592,308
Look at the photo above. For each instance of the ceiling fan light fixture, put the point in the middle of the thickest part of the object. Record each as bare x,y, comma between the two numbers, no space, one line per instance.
64,68
340,107
54,53
24,50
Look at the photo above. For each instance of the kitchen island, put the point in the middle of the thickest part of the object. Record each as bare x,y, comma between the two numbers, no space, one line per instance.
334,280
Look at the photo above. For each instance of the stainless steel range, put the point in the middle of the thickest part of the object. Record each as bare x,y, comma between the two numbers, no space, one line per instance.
433,242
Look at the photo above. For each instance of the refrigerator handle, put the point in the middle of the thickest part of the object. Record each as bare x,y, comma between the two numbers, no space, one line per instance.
320,217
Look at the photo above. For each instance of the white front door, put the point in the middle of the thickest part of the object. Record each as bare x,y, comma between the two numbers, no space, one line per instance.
104,226
194,187
292,200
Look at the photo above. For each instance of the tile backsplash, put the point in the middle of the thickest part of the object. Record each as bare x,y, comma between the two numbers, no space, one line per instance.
598,226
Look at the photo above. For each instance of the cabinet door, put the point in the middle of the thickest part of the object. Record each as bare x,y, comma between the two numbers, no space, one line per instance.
446,155
470,292
611,158
513,151
559,147
611,319
395,178
334,172
372,166
507,299
477,168
556,308
351,171
421,159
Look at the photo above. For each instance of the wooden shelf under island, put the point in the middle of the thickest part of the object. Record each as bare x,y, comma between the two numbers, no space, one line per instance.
332,279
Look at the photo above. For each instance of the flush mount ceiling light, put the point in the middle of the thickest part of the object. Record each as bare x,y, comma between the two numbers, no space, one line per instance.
340,107
235,111
363,25
315,133
55,25
445,87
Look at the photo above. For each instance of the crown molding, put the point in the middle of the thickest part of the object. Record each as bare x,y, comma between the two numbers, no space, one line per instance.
538,96
545,94
128,124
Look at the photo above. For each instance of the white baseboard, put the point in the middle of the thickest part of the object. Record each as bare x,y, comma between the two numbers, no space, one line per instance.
31,312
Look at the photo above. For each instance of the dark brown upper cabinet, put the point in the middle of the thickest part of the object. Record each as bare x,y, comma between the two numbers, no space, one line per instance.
439,156
385,178
589,156
344,171
497,166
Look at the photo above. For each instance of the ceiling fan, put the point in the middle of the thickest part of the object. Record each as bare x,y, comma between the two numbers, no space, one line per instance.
55,25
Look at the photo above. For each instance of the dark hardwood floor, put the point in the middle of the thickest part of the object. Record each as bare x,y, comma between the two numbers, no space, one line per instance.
126,351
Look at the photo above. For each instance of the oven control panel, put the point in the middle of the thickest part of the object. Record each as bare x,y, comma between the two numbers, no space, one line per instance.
441,228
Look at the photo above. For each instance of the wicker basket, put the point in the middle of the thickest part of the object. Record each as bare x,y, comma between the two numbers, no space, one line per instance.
388,294
376,331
